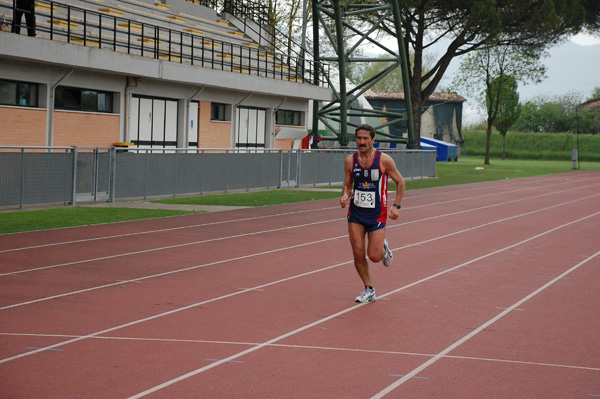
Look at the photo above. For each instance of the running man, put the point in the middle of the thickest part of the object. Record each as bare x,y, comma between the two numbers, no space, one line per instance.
365,186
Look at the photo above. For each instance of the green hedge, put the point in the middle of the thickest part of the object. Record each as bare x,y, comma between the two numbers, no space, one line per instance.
519,145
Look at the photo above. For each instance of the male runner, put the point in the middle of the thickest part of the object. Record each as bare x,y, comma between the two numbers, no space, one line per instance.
365,185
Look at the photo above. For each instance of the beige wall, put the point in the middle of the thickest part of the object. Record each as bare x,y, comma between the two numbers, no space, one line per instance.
27,127
85,129
212,134
22,126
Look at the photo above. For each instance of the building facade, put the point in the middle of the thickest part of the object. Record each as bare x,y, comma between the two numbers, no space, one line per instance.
441,118
175,74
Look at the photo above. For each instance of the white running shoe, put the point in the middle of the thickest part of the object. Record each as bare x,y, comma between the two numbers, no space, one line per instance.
367,296
388,257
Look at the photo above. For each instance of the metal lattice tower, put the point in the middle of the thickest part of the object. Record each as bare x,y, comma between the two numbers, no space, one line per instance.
333,18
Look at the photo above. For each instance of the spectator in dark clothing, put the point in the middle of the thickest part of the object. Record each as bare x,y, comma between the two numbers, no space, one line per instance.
26,7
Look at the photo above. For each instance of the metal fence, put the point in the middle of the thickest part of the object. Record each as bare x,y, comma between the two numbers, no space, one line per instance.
68,175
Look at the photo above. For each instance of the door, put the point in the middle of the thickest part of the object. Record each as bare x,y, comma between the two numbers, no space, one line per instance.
250,128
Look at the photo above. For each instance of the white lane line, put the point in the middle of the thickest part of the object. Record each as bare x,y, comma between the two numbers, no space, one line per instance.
482,327
168,247
301,245
170,312
274,340
121,282
312,347
152,231
316,323
499,184
263,217
273,230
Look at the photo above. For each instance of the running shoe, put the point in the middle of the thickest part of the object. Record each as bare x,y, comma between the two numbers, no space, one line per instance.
388,257
367,296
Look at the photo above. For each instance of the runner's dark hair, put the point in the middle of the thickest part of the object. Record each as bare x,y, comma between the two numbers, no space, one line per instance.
366,127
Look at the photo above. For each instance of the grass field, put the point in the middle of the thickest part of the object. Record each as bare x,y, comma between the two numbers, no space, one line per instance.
42,219
466,170
541,146
258,198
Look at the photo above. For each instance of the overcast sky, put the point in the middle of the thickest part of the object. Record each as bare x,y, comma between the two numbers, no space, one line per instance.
572,66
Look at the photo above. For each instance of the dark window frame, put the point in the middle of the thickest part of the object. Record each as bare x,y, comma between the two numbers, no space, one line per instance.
220,112
84,100
288,117
25,94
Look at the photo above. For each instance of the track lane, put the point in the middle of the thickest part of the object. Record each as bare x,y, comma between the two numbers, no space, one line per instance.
149,259
261,302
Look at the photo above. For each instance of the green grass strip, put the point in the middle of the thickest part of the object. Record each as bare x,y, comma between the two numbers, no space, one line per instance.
257,198
42,219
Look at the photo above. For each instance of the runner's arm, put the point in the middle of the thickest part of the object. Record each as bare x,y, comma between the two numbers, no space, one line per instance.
347,189
389,168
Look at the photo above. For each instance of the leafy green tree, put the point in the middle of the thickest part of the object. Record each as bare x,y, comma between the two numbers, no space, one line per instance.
286,19
471,25
487,74
586,122
555,114
592,16
528,120
554,117
509,108
392,81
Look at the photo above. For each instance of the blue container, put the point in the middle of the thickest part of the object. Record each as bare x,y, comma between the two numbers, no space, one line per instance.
445,151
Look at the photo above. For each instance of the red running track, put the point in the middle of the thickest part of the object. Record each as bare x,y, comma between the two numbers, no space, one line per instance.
493,293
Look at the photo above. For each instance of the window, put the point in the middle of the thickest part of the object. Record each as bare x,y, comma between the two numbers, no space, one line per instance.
18,93
220,112
293,118
76,99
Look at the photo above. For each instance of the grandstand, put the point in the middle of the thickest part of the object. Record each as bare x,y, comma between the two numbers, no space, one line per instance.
157,74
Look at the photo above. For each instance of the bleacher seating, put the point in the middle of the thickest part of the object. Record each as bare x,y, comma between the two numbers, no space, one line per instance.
186,32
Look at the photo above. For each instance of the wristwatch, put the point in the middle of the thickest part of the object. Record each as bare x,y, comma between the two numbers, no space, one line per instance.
398,206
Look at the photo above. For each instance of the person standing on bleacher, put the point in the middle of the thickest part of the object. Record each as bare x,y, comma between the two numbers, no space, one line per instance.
26,7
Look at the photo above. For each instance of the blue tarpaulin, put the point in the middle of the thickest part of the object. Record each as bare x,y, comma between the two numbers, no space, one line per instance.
445,151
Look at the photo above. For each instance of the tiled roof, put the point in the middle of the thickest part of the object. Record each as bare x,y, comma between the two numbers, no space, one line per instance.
593,104
399,95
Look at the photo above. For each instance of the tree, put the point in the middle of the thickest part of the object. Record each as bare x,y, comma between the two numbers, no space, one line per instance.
554,117
509,108
586,121
392,81
554,114
529,120
477,24
592,16
487,74
286,17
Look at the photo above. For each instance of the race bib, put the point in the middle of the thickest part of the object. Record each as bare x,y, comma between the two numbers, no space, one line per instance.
364,199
